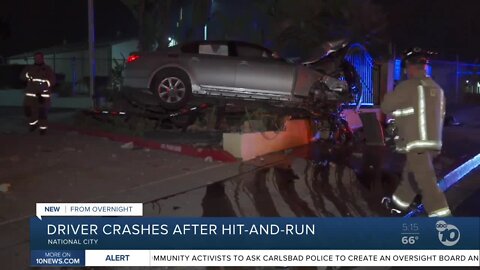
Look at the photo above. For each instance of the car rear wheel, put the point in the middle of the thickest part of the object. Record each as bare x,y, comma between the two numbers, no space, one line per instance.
172,88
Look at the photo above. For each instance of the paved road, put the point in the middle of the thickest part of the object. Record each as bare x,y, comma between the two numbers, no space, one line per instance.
315,180
68,167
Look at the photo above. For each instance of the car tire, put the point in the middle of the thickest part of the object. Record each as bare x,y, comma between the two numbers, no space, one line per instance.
173,89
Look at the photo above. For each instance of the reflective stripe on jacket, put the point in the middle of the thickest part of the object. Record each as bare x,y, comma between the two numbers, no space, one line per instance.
418,106
40,79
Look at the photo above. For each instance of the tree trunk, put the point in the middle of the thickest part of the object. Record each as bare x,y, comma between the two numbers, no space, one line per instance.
141,26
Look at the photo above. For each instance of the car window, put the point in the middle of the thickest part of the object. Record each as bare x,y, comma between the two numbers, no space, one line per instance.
252,51
213,49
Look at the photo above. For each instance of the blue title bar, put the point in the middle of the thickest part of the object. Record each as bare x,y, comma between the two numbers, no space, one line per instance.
78,233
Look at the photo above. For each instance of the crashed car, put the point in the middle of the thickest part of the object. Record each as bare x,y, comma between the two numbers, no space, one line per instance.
227,70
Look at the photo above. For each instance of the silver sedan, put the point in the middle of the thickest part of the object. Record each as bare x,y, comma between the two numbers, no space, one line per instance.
222,69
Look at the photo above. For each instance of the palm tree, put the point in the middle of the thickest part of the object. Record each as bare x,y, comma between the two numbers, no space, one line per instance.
297,26
308,24
155,20
302,25
200,16
360,21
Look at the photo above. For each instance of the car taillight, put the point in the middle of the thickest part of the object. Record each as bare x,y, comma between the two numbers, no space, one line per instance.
133,57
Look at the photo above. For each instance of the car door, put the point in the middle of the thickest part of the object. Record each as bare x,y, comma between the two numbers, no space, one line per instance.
258,70
212,65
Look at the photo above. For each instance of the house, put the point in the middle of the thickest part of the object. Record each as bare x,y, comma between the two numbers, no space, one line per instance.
71,61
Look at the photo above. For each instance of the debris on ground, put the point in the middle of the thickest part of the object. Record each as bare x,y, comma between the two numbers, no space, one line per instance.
208,159
128,146
4,187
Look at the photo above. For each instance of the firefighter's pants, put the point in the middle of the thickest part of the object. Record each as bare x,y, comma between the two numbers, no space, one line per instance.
36,110
419,178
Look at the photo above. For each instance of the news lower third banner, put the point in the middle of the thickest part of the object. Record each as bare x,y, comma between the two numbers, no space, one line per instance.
159,241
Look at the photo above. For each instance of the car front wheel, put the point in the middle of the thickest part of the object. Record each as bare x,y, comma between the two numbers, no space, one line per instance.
173,89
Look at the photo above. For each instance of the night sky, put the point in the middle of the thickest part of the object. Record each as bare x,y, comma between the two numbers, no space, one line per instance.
39,24
449,26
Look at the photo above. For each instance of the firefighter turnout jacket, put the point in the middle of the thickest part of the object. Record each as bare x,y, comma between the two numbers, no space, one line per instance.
40,79
418,106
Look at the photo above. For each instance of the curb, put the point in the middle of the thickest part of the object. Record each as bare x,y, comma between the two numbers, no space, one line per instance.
182,149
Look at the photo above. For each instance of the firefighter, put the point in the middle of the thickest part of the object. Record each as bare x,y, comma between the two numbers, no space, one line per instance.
40,80
418,106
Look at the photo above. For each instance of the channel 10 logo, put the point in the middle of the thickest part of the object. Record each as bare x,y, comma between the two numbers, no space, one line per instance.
448,234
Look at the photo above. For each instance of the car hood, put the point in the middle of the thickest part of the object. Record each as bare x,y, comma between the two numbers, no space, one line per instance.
325,50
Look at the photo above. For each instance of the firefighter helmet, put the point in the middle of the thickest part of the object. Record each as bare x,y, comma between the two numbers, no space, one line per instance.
417,56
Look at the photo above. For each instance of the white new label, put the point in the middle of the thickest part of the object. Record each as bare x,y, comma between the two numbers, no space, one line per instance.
89,209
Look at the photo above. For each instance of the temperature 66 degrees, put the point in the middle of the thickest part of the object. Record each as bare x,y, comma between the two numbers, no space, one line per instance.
409,239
